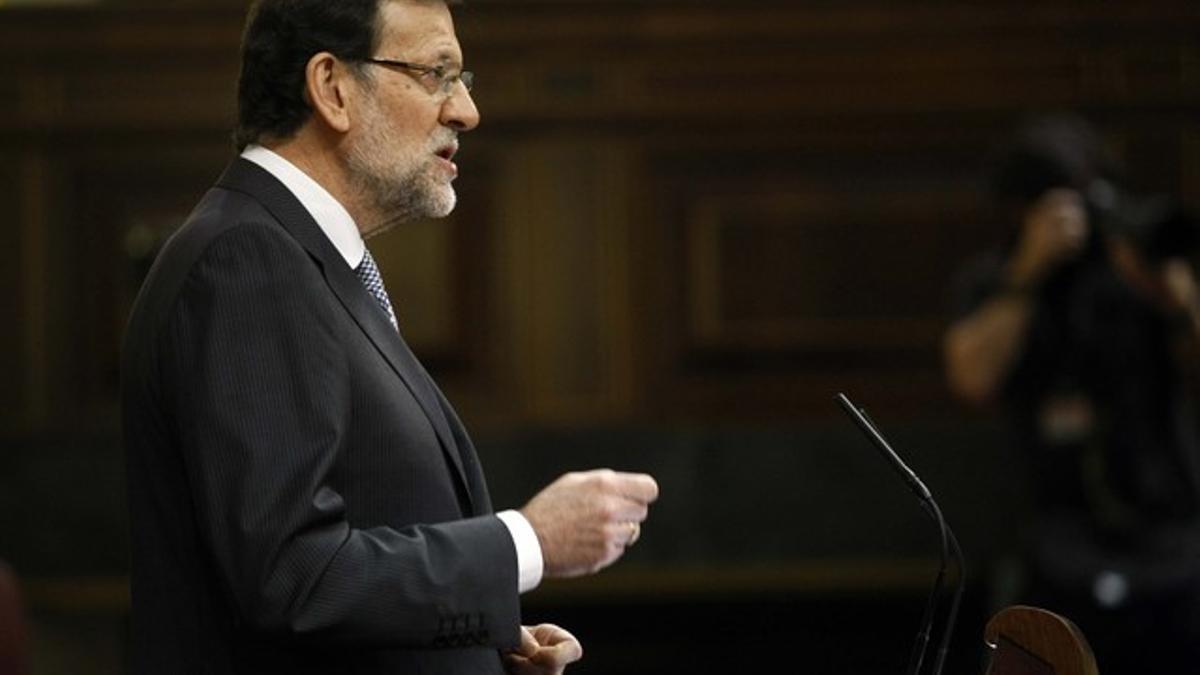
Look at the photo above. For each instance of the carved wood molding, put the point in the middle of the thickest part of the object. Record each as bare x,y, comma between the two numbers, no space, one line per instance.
620,62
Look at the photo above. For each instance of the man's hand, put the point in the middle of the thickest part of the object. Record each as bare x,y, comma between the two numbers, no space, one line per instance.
1181,289
585,520
1054,231
1171,284
545,650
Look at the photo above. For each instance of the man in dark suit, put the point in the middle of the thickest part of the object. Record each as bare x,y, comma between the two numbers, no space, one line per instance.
303,499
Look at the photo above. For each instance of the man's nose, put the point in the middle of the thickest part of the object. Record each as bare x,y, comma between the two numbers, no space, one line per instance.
459,111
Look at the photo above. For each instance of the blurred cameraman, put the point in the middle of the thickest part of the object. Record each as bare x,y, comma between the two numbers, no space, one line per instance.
1083,327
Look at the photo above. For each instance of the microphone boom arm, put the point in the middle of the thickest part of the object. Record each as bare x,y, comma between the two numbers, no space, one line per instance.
948,540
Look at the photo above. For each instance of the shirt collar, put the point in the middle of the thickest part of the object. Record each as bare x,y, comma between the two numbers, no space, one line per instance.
331,216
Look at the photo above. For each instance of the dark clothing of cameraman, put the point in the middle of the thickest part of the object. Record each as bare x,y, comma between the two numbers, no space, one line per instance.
1099,400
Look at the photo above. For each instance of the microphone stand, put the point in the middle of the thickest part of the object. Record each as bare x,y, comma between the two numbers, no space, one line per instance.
949,546
952,617
917,659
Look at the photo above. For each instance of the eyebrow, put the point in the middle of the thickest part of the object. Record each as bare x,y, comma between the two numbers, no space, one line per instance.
443,57
450,57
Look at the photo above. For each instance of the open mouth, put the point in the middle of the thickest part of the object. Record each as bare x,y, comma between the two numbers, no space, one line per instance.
446,155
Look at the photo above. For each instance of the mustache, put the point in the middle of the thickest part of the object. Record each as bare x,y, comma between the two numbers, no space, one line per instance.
443,138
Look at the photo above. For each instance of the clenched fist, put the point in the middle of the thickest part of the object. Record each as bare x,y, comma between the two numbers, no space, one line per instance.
585,520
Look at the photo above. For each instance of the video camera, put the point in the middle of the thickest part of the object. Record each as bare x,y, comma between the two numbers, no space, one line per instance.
1158,226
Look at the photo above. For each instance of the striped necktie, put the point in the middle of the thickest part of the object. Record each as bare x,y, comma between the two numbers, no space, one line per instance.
368,273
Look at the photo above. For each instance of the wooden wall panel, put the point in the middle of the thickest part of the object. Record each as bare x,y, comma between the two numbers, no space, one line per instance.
89,69
1190,151
673,211
815,270
419,259
117,206
613,62
562,267
34,211
13,301
804,258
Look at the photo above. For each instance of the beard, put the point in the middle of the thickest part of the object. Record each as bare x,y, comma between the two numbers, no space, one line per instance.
400,185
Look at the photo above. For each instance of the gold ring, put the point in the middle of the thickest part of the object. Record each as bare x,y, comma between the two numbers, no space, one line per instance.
635,531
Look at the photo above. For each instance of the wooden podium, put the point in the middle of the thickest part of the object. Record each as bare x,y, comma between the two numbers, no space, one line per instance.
1032,641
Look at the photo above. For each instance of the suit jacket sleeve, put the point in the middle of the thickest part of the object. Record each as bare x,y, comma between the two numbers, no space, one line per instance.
260,390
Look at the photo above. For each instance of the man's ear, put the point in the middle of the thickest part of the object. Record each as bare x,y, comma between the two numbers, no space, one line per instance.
329,89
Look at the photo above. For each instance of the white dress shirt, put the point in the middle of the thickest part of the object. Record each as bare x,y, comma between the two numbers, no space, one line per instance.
337,224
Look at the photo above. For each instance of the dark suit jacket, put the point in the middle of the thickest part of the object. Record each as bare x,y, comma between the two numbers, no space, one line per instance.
302,497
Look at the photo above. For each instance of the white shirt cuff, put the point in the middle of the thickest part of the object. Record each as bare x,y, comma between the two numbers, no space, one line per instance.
529,551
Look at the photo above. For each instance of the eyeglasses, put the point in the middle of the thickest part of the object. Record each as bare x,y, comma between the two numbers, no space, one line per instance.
443,80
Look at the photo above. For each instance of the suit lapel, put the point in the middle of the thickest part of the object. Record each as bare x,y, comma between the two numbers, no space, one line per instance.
249,178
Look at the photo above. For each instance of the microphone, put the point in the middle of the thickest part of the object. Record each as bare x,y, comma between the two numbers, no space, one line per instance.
950,545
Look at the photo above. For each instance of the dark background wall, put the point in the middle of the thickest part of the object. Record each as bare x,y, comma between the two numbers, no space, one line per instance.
683,227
